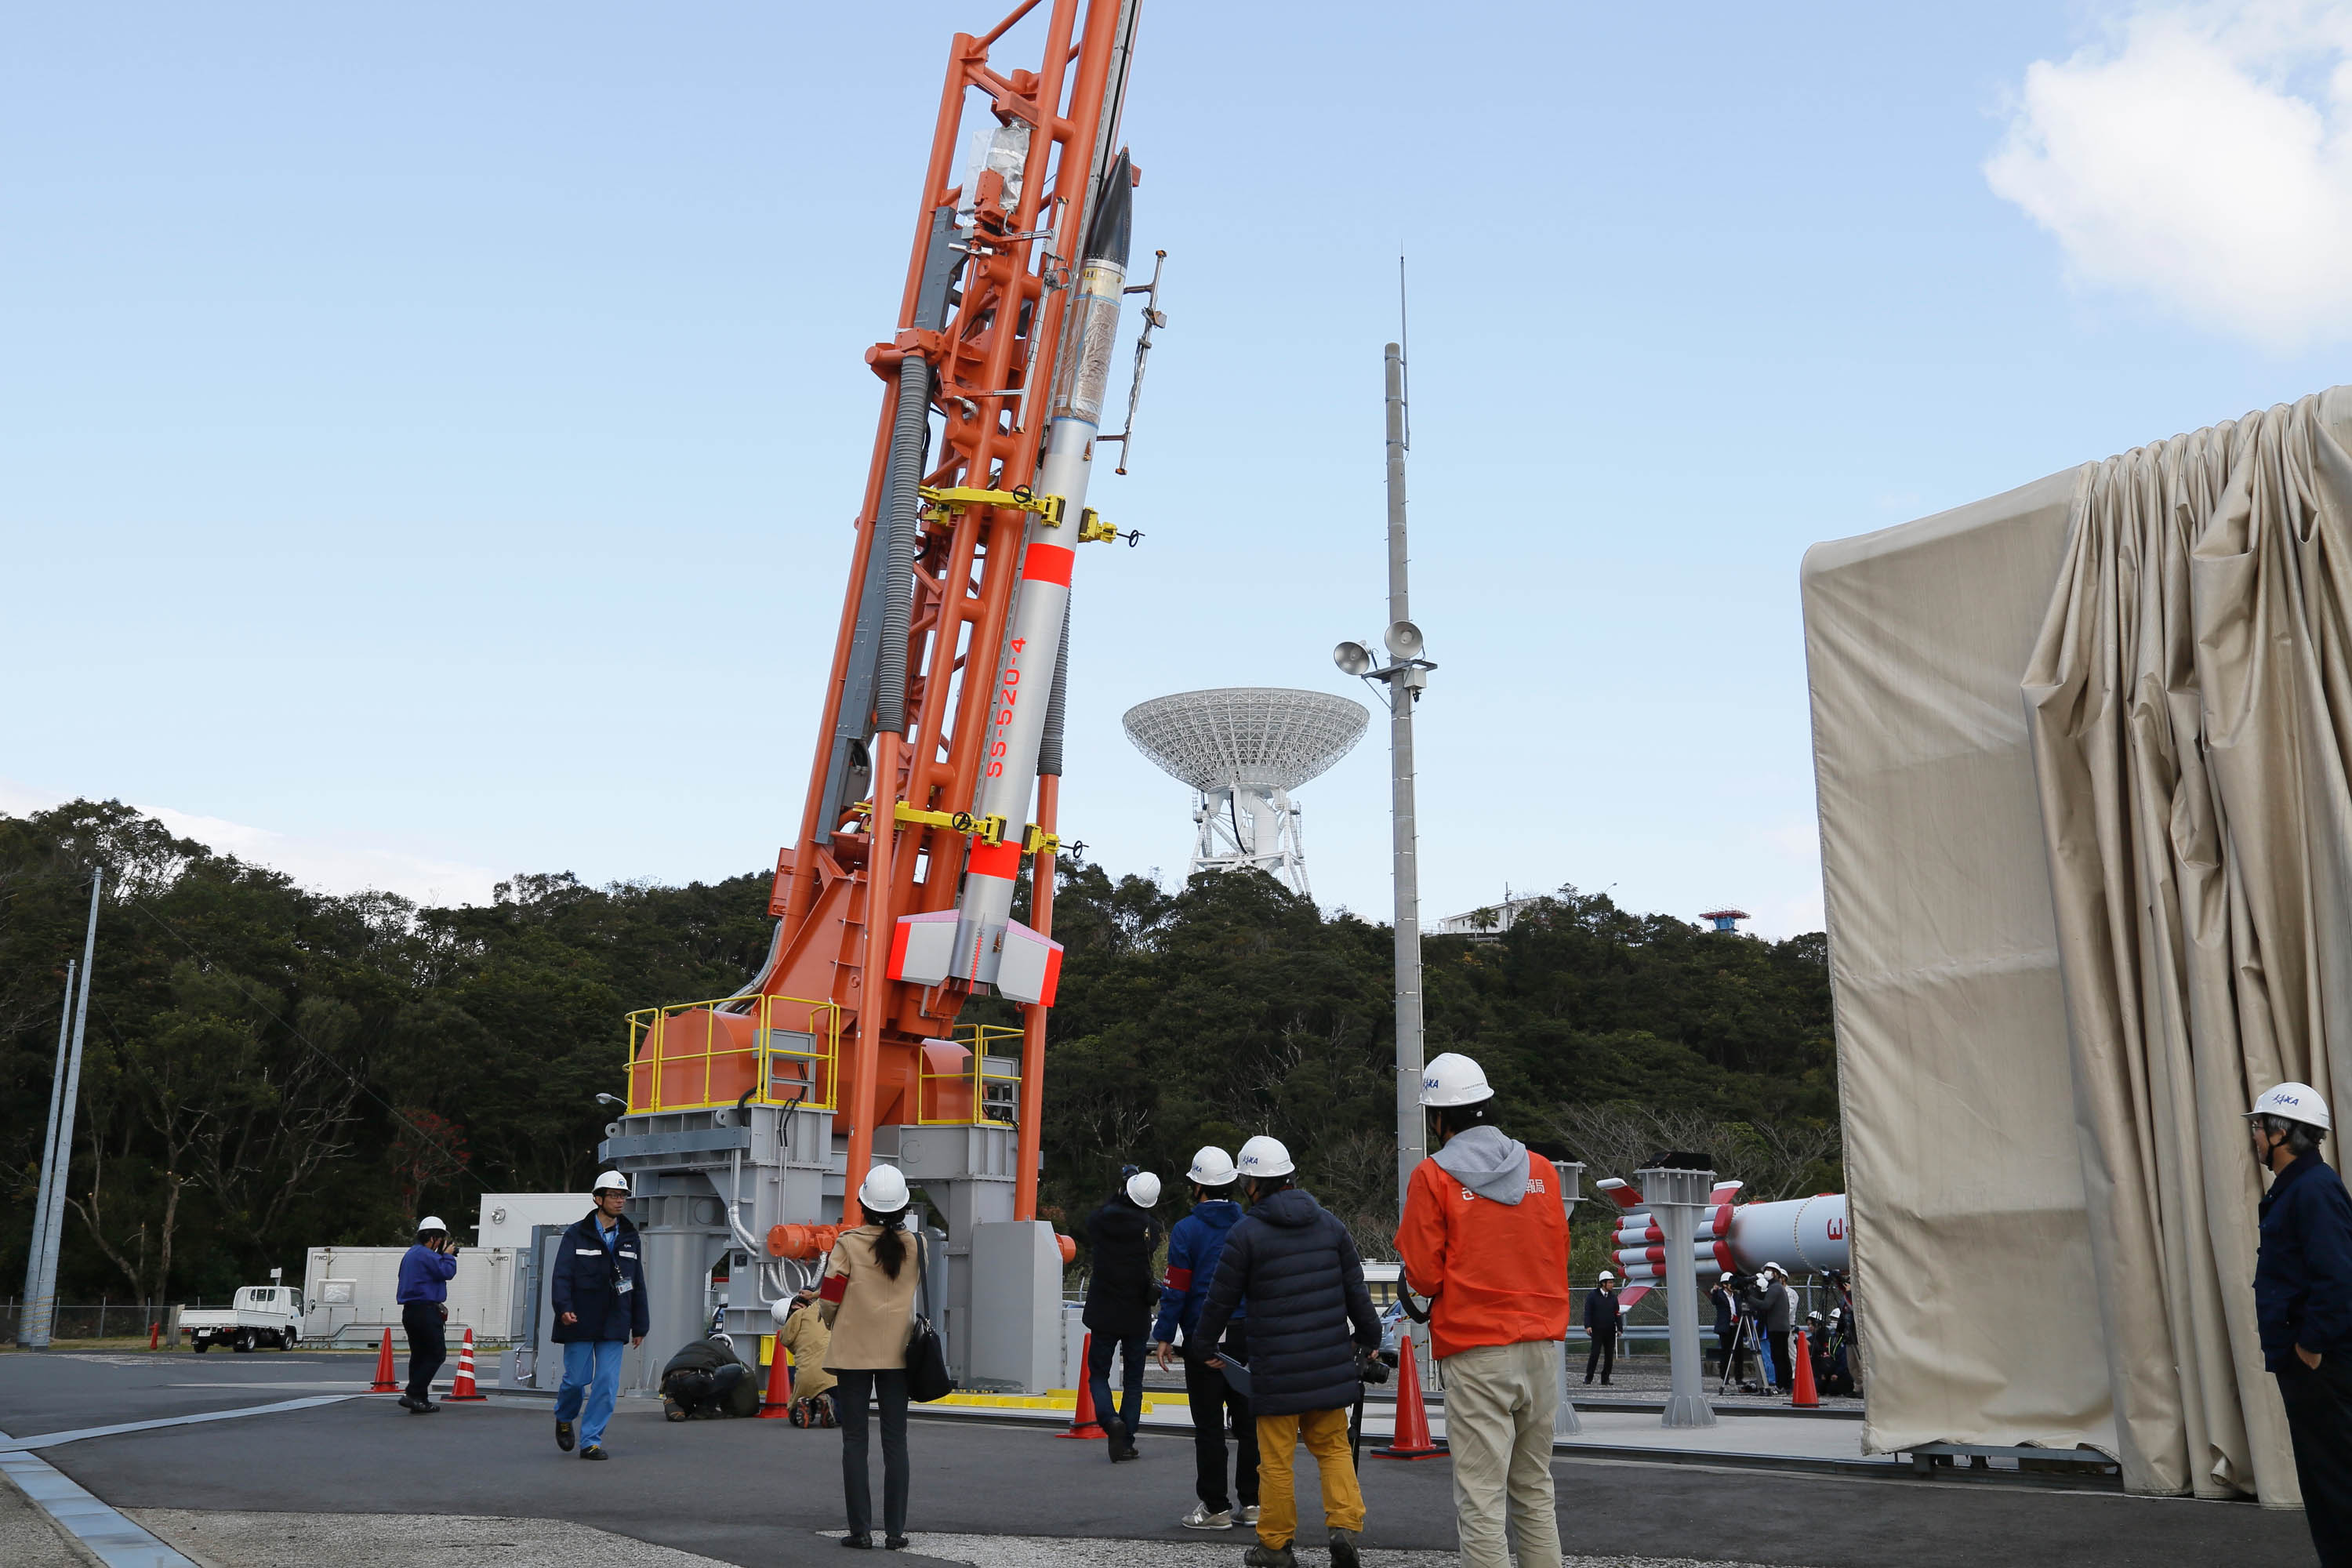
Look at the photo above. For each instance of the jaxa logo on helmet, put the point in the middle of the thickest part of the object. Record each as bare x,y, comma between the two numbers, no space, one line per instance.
1265,1157
2294,1102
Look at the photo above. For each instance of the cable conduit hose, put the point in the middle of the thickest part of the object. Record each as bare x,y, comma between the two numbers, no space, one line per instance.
1049,744
910,426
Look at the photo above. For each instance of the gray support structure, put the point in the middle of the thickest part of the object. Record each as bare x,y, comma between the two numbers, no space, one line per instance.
40,1307
39,1249
1412,1139
1675,1197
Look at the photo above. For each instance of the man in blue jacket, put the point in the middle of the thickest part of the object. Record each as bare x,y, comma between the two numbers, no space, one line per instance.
1194,1246
598,1295
422,1294
2302,1303
1305,1281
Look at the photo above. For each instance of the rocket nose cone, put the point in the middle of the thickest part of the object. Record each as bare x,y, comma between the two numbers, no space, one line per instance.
1106,239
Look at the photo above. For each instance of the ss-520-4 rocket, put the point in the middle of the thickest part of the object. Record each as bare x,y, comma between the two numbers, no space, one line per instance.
990,946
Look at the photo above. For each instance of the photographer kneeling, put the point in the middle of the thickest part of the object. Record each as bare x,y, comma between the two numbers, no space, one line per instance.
708,1379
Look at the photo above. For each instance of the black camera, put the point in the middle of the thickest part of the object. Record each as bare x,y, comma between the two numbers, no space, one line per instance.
1372,1366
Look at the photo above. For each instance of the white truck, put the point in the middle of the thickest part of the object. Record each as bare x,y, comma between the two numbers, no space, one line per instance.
262,1315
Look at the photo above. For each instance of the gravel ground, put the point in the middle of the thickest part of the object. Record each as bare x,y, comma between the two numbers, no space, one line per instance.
227,1540
1041,1551
27,1539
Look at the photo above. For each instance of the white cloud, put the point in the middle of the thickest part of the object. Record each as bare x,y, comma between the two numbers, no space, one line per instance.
2201,154
332,863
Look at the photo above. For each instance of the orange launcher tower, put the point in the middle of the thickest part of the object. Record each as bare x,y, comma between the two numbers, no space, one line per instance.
942,708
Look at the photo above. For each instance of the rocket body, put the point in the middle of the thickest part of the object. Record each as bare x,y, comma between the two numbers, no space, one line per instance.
1026,666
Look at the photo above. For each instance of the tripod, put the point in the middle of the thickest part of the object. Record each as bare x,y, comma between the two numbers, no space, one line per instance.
1744,1343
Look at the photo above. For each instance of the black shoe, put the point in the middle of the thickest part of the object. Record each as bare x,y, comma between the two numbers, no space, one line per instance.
408,1403
1114,1437
859,1539
895,1542
1264,1556
592,1451
1343,1548
563,1436
427,1407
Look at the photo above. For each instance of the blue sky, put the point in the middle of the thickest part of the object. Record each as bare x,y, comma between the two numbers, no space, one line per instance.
428,437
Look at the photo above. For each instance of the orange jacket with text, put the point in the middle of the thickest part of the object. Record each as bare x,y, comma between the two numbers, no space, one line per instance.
1498,1272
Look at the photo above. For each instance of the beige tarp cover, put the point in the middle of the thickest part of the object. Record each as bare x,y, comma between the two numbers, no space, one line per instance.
2099,727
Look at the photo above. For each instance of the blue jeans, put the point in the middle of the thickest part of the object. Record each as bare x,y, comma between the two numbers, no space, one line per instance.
591,1374
1131,1355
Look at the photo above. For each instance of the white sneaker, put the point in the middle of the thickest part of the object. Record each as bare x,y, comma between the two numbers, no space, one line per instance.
1245,1514
1201,1518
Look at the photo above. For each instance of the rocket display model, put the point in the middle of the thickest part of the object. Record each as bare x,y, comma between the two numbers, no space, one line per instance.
1800,1234
990,947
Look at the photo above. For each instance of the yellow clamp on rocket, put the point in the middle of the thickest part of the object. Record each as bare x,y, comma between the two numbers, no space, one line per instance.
987,829
955,498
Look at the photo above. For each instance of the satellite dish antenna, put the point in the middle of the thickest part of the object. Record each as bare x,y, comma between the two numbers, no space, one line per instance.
1403,640
1352,656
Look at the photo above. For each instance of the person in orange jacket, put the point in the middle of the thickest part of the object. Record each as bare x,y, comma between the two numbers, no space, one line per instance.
1484,1238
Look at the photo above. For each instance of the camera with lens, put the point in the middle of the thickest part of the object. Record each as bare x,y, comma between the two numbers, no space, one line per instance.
1372,1366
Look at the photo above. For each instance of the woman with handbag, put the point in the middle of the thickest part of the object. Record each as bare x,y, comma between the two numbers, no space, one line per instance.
869,1300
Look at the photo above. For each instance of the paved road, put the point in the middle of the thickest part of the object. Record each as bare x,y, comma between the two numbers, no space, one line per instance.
760,1493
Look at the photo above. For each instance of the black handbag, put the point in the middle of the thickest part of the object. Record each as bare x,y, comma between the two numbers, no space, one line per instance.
927,1359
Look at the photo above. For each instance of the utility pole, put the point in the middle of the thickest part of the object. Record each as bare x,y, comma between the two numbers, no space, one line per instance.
39,1249
40,1307
1404,677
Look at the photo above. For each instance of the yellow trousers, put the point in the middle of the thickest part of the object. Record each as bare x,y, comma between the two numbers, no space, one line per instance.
1326,1434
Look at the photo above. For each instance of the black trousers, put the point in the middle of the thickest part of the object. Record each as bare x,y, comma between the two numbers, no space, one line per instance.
698,1391
1726,1346
2319,1418
428,1344
850,1398
1784,1370
1212,1399
1605,1356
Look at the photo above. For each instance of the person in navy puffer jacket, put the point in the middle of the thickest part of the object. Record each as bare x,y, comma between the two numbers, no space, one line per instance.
1193,1247
1299,1269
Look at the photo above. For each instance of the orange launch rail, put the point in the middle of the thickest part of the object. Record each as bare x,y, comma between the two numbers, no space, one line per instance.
967,381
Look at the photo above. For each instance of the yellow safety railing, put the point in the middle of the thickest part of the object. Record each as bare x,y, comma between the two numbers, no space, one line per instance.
692,1056
975,1076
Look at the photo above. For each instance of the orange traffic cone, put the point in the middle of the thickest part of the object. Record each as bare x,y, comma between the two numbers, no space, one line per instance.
1083,1421
385,1382
778,1406
1410,1440
1804,1397
464,1388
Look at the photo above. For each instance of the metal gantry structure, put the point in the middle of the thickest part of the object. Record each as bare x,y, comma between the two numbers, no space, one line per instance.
933,791
1244,749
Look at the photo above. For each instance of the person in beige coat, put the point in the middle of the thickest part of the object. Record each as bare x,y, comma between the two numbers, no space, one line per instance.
869,1302
809,1341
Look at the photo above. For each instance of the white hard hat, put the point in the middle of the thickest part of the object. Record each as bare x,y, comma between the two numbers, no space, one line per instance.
1727,1276
431,1221
2296,1102
1774,1269
1606,1275
884,1190
1212,1166
1265,1157
1454,1079
1144,1189
610,1179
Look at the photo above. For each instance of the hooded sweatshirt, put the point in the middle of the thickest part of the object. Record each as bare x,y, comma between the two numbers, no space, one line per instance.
1493,1265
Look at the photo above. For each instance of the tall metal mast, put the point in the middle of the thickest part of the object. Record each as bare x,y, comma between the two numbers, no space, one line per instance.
1404,676
40,1309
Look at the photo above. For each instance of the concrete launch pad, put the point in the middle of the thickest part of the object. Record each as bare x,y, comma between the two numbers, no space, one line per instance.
362,1471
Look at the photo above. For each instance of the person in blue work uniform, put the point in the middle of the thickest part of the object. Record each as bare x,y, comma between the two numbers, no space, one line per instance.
1194,1245
2303,1304
598,1295
425,1270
